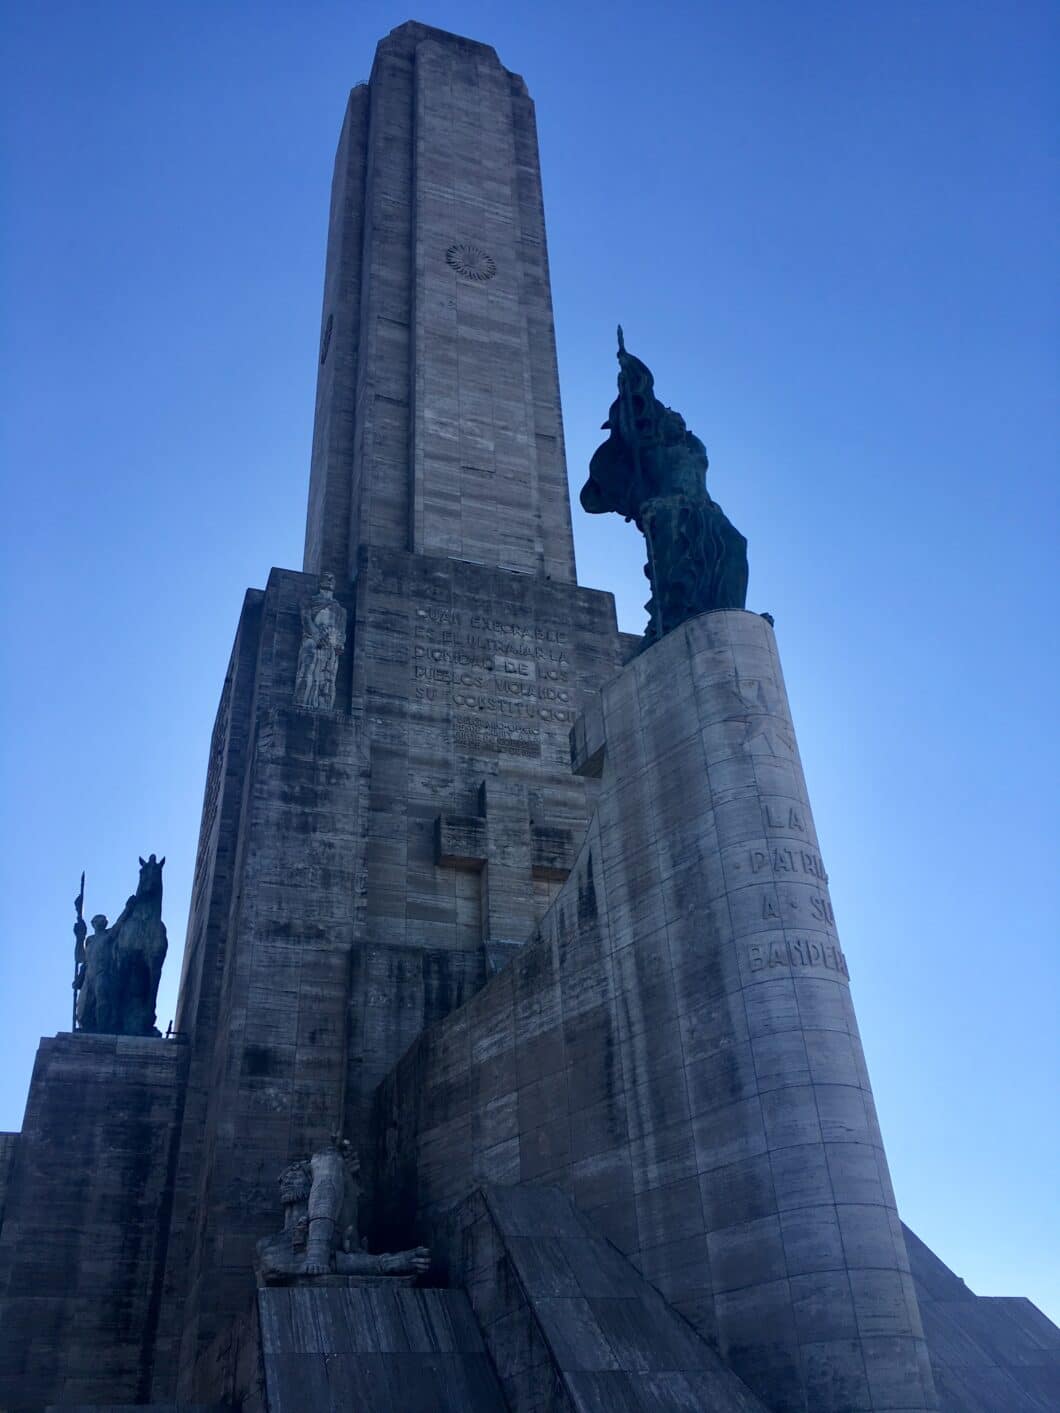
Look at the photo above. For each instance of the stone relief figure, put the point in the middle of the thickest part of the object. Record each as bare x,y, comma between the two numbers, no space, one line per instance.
319,1238
323,639
117,982
652,470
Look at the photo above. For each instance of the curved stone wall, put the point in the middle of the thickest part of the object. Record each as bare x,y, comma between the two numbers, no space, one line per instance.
717,895
677,1047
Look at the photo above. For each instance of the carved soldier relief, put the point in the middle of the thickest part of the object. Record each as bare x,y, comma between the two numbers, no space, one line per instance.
323,639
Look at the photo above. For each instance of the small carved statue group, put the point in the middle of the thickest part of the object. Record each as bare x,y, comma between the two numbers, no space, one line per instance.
652,470
320,1198
118,968
323,639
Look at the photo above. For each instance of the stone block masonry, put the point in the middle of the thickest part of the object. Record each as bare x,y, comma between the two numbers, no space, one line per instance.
8,1144
327,928
678,1049
86,1219
418,1351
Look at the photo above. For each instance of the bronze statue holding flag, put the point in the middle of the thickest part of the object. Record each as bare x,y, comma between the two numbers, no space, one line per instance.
652,470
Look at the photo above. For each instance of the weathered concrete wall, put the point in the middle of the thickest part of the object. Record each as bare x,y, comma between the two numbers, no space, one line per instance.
338,916
327,535
203,968
143,1408
679,1049
462,673
8,1144
417,1351
438,424
270,1051
82,1245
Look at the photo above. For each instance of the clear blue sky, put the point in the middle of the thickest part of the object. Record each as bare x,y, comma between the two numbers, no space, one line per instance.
828,227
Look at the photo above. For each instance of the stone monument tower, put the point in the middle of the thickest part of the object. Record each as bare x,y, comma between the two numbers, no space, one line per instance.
510,951
363,866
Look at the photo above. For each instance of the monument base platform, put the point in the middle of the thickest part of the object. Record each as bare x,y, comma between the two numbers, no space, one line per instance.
309,1349
85,1218
343,1282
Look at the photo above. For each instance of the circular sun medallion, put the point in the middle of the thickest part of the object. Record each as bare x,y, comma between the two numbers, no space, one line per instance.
471,262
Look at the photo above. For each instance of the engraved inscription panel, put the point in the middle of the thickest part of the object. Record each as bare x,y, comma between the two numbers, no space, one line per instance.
794,952
502,679
467,673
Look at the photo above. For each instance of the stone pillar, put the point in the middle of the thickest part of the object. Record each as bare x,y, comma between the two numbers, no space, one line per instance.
714,881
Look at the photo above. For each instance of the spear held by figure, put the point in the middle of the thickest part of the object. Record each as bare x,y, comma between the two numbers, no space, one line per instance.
80,933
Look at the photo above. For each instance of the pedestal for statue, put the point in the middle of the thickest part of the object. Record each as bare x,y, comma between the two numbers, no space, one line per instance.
309,1349
678,1047
85,1220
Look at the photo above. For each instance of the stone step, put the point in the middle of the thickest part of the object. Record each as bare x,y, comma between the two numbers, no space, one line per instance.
374,1348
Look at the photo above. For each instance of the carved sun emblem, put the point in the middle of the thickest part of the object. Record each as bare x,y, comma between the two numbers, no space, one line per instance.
471,261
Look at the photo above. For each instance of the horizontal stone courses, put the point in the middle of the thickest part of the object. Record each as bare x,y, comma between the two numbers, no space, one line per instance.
684,1056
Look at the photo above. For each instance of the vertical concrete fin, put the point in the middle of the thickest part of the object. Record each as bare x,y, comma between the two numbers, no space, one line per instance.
328,512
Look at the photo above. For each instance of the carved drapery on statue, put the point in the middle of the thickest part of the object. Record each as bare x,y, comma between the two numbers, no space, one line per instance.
118,968
319,1241
323,639
652,470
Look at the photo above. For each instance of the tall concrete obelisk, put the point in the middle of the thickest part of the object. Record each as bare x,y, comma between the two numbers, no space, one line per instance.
438,425
362,869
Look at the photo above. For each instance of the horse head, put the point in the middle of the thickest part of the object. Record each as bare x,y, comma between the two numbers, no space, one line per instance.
150,877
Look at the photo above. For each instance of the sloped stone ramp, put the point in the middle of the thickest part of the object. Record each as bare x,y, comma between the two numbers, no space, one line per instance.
989,1354
570,1324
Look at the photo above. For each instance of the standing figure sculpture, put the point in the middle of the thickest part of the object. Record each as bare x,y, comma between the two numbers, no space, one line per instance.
80,955
123,964
323,639
652,470
319,1238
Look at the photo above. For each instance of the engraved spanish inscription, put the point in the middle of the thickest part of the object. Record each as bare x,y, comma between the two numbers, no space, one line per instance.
797,952
504,680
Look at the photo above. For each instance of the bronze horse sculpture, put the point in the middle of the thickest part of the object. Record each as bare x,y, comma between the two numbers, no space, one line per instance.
123,963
